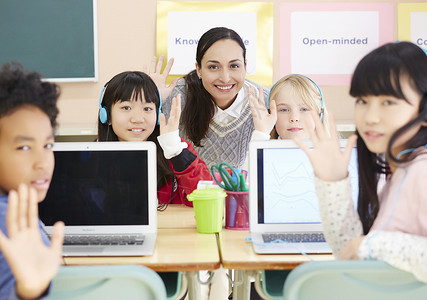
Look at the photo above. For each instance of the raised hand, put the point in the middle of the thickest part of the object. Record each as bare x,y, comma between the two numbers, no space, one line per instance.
33,264
159,78
175,114
263,120
329,162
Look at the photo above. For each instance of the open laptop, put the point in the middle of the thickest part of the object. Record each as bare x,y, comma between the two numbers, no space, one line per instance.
282,199
106,194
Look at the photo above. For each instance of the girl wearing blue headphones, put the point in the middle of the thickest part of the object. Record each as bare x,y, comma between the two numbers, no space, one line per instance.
290,101
130,110
390,88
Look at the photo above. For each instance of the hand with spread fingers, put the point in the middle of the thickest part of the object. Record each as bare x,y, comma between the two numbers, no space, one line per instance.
173,121
329,162
33,264
159,78
264,121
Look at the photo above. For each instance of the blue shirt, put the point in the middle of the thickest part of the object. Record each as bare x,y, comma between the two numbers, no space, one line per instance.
7,281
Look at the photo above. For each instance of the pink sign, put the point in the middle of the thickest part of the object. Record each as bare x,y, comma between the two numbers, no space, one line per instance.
325,41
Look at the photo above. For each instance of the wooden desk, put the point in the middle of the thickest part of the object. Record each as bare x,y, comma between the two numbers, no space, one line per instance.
238,254
176,216
175,250
178,249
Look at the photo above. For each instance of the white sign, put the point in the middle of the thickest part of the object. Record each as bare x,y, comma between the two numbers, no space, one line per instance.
419,28
331,42
186,27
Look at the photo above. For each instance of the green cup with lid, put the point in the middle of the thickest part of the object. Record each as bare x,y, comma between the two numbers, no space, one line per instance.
208,206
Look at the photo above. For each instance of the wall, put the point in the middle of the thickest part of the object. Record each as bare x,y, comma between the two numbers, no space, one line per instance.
127,40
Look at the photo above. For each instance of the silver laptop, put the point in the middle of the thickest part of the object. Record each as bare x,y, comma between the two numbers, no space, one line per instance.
106,194
283,206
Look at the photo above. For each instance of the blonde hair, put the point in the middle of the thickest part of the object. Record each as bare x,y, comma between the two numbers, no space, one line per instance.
306,89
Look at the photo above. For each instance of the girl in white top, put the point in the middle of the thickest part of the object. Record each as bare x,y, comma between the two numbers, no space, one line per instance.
390,88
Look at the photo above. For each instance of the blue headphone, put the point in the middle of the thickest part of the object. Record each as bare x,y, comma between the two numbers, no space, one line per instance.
103,115
160,107
322,105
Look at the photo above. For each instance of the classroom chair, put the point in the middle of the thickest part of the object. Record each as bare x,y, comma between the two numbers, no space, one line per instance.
351,280
269,283
175,283
107,282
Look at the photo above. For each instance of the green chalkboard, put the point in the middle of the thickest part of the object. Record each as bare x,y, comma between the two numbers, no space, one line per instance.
53,37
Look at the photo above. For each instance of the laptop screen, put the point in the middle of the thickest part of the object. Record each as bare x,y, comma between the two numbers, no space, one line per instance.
98,187
285,186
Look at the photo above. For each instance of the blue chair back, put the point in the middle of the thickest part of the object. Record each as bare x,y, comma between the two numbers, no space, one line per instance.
269,283
175,283
107,282
352,280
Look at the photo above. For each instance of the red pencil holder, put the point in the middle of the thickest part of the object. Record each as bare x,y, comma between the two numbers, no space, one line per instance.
237,210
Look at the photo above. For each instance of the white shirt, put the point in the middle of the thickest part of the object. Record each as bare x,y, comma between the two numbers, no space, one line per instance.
233,112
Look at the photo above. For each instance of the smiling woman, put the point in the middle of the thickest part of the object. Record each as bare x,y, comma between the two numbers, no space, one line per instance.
222,72
216,116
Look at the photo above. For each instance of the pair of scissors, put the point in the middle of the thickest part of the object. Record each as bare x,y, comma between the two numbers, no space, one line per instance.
231,183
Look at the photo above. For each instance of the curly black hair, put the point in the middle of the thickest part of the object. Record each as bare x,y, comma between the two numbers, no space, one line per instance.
19,87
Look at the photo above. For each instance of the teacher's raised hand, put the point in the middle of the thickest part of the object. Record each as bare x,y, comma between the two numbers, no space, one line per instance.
159,78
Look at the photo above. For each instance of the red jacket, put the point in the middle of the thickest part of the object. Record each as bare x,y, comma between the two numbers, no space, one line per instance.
188,168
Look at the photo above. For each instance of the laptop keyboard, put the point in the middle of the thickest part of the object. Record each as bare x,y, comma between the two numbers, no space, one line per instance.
294,237
79,240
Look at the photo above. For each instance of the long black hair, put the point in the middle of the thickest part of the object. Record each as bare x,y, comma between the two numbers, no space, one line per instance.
380,73
199,107
131,86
